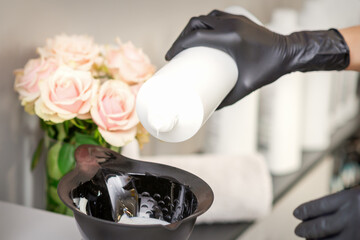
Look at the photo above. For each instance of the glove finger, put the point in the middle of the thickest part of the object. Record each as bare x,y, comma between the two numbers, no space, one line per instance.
195,23
322,227
200,37
321,206
217,13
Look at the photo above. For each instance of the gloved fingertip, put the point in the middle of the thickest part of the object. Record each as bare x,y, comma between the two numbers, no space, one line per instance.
216,12
219,107
173,51
169,55
296,213
299,231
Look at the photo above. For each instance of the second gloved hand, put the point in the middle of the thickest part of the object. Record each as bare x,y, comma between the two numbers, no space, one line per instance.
262,56
335,217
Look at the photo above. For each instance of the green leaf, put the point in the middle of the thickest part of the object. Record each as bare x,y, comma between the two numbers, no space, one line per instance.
52,161
66,159
84,139
37,154
96,133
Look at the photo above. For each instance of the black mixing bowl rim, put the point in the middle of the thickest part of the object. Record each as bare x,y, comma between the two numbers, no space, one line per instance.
66,185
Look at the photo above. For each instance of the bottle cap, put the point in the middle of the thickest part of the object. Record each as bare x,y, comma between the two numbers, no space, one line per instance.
162,117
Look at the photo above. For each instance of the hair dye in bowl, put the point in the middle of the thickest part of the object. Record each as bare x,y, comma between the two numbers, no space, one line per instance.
134,198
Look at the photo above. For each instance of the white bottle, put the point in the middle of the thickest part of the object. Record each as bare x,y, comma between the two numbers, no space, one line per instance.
344,91
328,103
233,130
347,106
281,109
318,94
180,97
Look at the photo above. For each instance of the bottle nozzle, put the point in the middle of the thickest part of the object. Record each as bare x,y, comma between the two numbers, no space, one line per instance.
162,118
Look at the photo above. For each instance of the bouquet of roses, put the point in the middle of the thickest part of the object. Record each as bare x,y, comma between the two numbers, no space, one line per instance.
83,93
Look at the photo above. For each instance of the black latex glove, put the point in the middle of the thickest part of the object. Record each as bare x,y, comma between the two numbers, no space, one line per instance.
262,56
335,217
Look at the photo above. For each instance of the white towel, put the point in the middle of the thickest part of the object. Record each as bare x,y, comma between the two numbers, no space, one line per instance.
242,185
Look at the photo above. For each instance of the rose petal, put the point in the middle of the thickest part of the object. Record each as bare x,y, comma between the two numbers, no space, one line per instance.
119,138
114,108
84,116
46,114
129,63
68,92
77,51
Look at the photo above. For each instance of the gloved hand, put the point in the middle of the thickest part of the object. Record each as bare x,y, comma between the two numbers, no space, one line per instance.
335,217
262,56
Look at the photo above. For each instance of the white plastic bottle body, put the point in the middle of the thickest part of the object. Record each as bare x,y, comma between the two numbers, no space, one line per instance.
320,88
284,152
233,130
281,109
181,96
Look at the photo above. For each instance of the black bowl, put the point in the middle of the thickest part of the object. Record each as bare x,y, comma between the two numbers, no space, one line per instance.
179,197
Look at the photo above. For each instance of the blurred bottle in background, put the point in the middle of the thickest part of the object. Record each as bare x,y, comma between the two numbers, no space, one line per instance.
329,97
280,125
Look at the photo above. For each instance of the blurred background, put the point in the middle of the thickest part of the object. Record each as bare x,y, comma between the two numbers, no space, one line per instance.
292,124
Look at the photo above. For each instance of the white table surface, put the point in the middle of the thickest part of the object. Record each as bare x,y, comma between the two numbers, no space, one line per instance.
19,222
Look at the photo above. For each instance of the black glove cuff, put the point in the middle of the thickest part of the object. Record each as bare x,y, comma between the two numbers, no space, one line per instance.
318,50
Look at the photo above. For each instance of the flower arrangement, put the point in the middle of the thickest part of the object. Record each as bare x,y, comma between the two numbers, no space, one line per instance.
83,93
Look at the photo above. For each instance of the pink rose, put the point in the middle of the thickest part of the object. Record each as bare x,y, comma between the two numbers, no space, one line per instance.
27,79
65,95
113,110
128,63
76,51
136,88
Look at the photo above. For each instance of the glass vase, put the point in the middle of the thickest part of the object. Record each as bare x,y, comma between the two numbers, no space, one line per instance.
59,161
